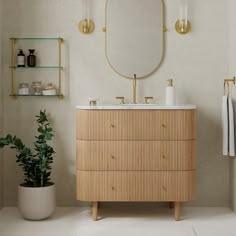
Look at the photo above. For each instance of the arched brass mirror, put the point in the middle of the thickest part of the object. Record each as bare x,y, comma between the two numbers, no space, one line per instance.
134,40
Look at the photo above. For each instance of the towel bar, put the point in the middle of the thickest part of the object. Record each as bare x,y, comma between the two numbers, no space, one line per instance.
226,82
230,80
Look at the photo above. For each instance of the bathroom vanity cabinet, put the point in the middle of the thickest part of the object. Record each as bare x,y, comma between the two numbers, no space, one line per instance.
136,155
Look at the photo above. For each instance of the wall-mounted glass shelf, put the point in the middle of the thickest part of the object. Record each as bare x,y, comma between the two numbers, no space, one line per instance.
13,67
36,38
60,96
38,67
33,95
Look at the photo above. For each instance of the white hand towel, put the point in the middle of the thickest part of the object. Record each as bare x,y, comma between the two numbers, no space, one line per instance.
225,126
231,128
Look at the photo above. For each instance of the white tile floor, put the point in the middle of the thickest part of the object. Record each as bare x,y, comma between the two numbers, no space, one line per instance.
121,222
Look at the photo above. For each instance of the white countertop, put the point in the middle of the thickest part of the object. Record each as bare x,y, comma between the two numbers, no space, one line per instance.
137,107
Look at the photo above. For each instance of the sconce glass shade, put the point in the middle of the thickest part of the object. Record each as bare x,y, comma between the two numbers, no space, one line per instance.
183,25
86,25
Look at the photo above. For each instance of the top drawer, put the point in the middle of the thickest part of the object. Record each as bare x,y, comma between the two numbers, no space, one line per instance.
136,124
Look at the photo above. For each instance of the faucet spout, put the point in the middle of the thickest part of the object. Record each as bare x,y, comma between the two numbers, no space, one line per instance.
134,89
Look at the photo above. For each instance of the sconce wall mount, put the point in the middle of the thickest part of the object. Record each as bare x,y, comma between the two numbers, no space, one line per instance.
86,26
181,27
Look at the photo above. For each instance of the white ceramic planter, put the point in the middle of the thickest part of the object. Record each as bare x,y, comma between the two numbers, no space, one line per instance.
36,203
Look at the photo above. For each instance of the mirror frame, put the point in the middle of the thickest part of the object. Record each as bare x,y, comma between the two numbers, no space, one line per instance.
163,45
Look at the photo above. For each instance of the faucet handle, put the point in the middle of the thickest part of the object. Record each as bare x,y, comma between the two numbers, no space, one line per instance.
122,100
147,98
92,101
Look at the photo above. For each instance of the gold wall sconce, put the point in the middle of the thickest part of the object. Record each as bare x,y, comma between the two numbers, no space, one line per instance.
183,25
86,25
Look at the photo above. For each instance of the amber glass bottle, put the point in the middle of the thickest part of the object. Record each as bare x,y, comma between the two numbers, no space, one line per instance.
31,59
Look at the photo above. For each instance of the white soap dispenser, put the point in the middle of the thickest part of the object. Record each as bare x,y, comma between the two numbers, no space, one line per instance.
170,93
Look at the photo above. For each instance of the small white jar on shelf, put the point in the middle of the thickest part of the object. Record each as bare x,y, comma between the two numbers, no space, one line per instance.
23,89
49,90
36,88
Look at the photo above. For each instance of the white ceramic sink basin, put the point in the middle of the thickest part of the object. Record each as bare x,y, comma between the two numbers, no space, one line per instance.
137,107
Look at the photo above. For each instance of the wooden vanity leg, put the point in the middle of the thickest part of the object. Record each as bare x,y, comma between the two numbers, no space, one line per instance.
171,205
177,211
95,211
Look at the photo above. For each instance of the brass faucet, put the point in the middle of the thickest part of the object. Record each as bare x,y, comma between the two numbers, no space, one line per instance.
134,89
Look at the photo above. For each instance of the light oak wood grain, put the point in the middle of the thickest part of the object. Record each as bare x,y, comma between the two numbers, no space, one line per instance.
136,155
95,211
136,125
135,185
177,211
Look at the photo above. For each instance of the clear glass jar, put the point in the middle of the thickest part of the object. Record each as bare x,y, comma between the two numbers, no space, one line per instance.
50,89
36,88
23,89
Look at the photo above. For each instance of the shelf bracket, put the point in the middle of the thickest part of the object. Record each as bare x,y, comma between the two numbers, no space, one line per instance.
60,42
60,96
13,42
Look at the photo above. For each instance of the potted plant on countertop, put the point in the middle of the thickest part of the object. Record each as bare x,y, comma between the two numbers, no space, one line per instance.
36,196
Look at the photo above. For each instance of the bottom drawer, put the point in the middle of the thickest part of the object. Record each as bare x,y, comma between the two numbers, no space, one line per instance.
135,185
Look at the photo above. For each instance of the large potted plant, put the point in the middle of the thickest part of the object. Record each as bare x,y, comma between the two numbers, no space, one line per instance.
36,196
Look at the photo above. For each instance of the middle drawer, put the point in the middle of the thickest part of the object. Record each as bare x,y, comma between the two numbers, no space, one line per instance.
136,155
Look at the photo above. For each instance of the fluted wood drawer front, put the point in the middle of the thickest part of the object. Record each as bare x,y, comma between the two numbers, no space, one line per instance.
135,185
136,124
136,155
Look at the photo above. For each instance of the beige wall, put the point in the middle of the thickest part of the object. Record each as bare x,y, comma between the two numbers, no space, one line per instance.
232,72
233,184
1,108
198,62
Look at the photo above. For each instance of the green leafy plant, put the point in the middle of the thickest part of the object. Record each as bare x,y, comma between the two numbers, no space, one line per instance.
36,166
